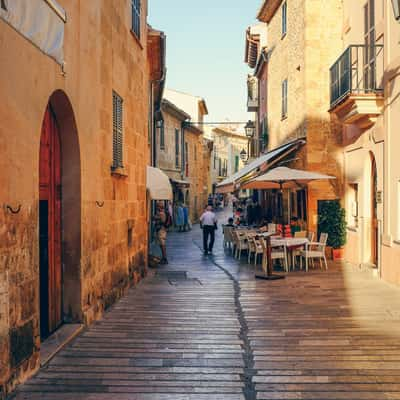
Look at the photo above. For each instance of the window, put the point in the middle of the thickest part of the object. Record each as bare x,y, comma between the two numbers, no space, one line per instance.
136,8
176,148
160,126
236,163
353,205
301,205
186,159
219,167
284,98
215,158
195,152
284,19
117,131
225,169
369,41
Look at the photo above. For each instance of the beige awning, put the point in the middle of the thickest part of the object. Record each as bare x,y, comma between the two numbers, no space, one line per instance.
258,166
180,183
158,185
284,178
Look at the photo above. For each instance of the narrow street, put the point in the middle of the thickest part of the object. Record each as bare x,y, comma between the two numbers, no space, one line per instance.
204,328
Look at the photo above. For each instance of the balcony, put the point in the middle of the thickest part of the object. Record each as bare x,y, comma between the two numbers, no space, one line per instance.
356,85
252,94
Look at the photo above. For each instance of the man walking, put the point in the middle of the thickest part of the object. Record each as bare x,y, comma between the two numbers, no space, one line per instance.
208,222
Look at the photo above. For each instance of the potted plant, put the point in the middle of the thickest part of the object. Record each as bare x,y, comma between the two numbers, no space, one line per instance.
332,220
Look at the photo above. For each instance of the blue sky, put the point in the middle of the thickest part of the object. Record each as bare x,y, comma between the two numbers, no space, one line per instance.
205,50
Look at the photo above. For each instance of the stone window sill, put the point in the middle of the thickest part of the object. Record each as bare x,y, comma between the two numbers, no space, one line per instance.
352,228
283,117
119,172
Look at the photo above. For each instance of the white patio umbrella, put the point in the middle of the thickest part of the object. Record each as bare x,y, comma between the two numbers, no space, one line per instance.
284,178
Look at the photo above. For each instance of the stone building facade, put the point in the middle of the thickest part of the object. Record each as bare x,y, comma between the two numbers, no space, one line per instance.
170,148
303,40
74,140
192,145
369,110
228,142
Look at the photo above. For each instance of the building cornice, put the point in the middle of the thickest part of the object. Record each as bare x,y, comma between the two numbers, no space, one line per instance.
268,10
172,109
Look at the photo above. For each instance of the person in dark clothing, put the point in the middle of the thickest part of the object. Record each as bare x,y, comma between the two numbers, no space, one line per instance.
208,222
257,213
250,214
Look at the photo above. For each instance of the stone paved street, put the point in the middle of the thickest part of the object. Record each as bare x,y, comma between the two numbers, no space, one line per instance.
204,328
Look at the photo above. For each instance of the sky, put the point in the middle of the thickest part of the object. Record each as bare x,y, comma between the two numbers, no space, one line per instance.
205,51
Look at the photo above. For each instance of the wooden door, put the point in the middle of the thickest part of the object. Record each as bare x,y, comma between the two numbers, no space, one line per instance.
50,226
374,213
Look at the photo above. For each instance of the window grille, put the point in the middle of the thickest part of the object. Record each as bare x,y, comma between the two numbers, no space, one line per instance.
284,98
136,11
117,131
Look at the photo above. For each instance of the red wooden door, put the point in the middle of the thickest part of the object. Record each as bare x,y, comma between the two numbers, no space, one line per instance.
50,225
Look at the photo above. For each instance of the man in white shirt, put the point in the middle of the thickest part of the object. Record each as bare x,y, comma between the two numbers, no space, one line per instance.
208,222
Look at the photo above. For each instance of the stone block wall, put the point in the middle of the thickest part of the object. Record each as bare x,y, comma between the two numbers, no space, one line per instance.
101,55
303,56
196,168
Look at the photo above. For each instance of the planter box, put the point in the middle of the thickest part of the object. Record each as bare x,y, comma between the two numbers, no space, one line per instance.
328,252
338,254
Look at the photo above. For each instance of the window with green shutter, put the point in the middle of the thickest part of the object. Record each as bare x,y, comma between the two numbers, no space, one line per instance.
117,131
236,163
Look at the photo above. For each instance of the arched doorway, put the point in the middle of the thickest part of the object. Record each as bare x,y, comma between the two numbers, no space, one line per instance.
374,212
59,217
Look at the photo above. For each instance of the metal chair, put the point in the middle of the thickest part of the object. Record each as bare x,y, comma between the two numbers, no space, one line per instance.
255,247
277,253
315,250
228,236
272,228
241,243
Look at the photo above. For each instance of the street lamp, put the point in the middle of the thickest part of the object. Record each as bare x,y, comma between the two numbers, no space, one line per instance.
243,156
396,9
250,128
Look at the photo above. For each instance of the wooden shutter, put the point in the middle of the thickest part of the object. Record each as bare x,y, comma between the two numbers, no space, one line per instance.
117,131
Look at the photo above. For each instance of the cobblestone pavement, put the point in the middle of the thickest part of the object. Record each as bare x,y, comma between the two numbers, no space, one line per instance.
204,328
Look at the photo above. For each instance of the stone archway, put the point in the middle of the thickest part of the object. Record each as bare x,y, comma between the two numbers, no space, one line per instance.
60,216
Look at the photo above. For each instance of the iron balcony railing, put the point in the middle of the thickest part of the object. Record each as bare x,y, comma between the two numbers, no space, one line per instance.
359,70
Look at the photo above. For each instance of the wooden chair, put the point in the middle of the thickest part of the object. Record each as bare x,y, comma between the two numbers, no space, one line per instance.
315,250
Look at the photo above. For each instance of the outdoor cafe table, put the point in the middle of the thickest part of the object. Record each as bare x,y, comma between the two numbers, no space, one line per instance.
290,243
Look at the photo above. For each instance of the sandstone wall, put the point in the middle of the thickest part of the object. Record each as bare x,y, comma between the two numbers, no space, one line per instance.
101,55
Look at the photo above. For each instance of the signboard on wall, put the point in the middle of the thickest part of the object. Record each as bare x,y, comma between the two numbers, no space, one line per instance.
40,21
